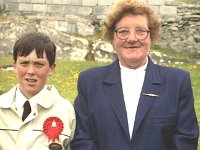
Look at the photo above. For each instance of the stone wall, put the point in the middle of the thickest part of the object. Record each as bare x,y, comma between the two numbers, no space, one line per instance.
97,8
181,33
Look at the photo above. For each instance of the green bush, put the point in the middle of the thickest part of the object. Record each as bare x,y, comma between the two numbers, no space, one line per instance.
66,75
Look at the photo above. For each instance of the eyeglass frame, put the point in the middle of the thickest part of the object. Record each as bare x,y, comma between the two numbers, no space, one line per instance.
136,36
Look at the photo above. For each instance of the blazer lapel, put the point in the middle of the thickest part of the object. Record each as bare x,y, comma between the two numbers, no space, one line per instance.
113,90
149,93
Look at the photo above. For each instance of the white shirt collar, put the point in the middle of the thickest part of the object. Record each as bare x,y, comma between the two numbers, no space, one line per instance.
128,70
20,98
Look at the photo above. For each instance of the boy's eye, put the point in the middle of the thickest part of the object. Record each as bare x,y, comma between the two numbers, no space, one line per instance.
39,64
24,63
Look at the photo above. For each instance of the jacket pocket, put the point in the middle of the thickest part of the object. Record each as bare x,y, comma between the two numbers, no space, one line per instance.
171,119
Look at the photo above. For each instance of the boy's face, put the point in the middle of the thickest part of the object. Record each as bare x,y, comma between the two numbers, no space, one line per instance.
32,73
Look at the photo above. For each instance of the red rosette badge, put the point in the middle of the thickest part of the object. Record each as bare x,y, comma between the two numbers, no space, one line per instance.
53,127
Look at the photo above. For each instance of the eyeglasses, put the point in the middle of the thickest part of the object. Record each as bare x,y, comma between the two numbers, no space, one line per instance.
124,32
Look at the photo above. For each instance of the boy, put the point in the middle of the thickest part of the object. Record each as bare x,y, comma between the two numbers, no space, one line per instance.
32,114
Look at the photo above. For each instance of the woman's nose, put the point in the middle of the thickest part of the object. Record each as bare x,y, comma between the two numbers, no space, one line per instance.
132,37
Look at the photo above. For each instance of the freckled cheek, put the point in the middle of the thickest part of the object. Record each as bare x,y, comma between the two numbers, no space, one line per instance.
21,72
42,74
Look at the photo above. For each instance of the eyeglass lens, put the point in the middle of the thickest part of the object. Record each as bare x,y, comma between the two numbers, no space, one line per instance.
140,33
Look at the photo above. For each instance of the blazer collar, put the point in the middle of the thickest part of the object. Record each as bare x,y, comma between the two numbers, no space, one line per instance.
113,73
113,90
150,92
152,73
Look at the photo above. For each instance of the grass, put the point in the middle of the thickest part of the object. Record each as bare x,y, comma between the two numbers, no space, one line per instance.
64,78
66,75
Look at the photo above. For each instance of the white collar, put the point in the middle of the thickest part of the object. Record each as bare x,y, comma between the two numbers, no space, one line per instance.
9,98
19,98
128,70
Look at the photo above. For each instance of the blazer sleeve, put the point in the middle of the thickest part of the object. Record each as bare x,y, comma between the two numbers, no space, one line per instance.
83,139
187,130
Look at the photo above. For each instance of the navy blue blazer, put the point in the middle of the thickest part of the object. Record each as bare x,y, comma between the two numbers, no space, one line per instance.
165,118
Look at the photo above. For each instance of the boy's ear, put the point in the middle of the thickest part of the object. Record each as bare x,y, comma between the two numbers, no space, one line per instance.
52,69
14,66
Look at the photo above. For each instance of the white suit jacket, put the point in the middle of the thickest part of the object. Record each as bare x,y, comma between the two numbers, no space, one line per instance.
28,135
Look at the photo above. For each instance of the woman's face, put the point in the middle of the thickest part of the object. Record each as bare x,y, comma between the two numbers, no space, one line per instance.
134,49
32,73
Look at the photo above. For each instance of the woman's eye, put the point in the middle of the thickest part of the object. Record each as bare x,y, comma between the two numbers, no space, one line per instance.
123,32
140,31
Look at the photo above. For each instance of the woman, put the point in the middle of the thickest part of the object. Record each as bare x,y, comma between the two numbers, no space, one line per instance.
134,104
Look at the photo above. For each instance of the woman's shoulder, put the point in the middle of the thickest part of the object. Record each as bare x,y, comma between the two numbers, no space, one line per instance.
173,72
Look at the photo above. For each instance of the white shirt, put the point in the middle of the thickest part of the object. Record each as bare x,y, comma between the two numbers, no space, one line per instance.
132,82
21,99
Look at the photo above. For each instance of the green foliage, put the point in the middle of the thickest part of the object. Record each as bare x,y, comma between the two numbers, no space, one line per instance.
195,56
6,60
64,78
66,75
